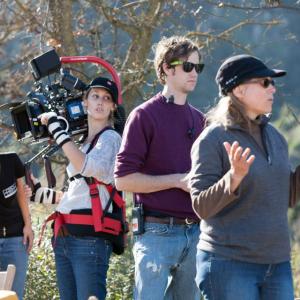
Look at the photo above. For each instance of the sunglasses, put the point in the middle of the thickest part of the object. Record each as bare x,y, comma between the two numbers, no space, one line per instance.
188,66
265,83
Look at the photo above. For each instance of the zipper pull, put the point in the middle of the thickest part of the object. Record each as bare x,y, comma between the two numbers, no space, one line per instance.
4,231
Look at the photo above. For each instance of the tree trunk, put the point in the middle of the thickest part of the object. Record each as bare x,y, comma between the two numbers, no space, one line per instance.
61,12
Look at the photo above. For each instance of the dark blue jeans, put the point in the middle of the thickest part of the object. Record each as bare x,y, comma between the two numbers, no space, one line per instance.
13,251
81,267
227,279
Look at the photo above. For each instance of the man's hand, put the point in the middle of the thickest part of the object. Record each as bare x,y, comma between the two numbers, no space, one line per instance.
28,237
183,181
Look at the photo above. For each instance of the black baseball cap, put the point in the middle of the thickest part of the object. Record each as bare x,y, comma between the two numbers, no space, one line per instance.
239,68
105,83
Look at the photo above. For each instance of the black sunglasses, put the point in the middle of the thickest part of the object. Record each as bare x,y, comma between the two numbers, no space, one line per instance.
188,66
265,83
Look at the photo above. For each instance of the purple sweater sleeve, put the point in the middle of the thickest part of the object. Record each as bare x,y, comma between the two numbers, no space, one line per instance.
134,146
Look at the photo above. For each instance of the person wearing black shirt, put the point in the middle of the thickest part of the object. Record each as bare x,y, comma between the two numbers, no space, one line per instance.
16,235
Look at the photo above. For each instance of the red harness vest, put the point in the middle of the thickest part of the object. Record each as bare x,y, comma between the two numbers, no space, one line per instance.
99,219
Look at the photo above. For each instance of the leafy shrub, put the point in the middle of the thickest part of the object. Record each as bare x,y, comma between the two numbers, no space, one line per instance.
296,268
120,279
41,276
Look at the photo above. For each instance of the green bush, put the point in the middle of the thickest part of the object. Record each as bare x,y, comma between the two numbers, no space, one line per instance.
296,268
41,277
120,279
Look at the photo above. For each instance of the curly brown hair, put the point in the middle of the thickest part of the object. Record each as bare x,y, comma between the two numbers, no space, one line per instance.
171,49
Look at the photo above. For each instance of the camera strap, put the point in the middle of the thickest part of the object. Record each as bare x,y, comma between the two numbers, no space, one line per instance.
96,137
47,164
49,173
92,145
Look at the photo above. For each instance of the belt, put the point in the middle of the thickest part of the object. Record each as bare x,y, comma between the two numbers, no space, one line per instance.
11,230
170,220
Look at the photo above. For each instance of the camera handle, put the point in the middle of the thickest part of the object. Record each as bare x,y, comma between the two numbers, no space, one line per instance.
99,61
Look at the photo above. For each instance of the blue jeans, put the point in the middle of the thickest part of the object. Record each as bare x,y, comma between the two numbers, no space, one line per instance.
165,262
12,251
223,278
81,266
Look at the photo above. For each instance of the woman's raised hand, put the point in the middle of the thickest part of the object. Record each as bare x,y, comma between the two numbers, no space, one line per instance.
240,161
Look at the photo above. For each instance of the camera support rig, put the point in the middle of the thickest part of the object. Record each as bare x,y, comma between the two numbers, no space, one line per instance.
50,149
97,60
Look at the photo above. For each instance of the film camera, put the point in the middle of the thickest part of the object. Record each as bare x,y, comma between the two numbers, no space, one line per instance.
62,93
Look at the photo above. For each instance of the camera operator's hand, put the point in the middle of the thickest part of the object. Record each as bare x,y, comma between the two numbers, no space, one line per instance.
50,119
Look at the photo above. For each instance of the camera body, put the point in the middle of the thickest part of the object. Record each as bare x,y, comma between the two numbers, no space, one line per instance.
63,95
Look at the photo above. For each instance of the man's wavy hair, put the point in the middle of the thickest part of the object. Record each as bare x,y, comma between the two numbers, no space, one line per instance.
171,49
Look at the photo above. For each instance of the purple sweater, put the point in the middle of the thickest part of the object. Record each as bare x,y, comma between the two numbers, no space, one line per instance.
157,140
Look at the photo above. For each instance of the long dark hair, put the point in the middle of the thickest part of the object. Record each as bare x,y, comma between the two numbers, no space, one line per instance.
228,111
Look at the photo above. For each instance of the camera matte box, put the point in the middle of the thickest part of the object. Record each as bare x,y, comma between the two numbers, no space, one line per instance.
21,120
45,64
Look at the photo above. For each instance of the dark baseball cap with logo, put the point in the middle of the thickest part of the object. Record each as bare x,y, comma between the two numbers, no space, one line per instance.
240,68
105,83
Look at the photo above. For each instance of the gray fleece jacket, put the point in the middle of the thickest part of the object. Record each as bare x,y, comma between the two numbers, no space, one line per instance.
251,224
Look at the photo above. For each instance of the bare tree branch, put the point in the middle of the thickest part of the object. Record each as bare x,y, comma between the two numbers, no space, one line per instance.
269,5
226,35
